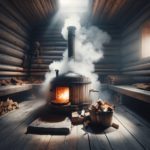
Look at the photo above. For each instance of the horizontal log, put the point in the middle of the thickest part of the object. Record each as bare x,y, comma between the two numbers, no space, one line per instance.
10,38
141,61
141,72
108,60
53,48
136,25
50,36
58,44
37,73
126,79
105,70
112,49
137,67
10,51
40,66
129,48
9,60
11,45
132,57
131,38
100,66
11,11
10,68
49,57
39,70
42,61
112,53
10,73
12,89
51,39
9,23
51,53
107,73
10,31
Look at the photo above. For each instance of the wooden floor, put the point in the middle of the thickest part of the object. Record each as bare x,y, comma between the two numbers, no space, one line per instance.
133,134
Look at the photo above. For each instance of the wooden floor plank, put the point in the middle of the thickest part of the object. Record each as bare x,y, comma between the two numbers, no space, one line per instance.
57,142
132,133
136,128
71,139
10,137
99,141
82,139
18,119
36,142
121,138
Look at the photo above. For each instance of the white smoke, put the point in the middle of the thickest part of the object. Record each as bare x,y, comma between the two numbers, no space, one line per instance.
88,50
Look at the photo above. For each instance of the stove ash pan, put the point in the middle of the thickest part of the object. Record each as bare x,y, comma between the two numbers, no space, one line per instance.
79,88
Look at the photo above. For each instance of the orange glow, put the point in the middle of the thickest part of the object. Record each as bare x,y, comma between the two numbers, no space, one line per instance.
62,95
146,40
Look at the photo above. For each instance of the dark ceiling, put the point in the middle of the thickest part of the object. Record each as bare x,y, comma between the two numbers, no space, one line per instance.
105,12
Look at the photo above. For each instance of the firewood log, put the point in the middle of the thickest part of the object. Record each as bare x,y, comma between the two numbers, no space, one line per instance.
5,104
114,125
10,107
1,109
16,104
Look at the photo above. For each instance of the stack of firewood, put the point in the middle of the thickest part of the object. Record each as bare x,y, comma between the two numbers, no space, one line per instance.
101,106
8,105
99,113
12,81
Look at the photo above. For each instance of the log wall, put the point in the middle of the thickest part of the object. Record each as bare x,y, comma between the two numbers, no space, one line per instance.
53,46
110,63
132,62
14,41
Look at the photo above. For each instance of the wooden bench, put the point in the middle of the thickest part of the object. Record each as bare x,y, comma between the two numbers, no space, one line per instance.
11,89
132,92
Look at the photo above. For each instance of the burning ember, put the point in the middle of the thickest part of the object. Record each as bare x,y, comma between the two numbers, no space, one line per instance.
62,95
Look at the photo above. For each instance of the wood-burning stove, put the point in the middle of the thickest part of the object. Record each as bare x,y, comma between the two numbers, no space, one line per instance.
70,89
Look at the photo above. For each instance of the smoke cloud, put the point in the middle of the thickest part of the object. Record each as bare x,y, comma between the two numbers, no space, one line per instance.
88,50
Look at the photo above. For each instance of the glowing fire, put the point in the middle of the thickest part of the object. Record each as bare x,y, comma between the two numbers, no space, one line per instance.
62,95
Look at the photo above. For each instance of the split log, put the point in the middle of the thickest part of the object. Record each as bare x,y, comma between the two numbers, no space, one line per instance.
9,105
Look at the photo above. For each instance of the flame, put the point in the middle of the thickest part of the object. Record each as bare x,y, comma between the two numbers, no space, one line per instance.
62,95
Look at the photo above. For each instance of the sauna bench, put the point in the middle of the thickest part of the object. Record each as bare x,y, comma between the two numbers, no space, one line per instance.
131,91
12,89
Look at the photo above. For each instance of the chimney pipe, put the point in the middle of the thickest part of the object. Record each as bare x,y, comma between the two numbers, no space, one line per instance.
57,72
71,42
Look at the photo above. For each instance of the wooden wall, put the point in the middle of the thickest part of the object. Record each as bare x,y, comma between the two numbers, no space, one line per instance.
53,46
14,41
110,63
132,61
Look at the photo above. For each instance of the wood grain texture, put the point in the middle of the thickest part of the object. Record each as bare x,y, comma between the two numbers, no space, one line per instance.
133,132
